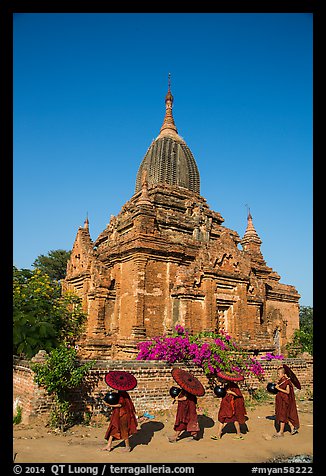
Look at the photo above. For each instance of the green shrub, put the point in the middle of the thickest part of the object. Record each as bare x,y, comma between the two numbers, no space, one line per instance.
59,375
260,395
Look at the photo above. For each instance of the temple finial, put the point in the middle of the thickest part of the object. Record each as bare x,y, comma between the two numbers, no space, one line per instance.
168,125
248,212
86,222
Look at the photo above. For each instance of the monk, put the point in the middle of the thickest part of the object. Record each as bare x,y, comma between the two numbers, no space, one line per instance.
123,422
285,404
232,409
186,418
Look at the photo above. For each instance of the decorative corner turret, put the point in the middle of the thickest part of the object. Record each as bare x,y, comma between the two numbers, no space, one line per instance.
251,241
82,251
144,197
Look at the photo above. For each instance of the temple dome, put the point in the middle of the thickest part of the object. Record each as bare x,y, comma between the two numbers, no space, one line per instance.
168,159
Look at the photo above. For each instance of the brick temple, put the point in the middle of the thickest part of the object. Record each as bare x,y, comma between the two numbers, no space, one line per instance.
167,259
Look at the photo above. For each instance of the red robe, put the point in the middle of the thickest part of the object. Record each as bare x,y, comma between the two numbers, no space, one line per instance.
232,407
186,417
285,404
123,422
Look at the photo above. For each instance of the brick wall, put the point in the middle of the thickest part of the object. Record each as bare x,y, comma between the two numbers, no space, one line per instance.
32,399
152,391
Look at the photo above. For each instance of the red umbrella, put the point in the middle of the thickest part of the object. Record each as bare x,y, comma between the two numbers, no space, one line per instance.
188,382
121,380
294,379
230,376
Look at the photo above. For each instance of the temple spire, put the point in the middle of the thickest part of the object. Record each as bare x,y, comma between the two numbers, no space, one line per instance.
168,125
86,222
251,245
251,241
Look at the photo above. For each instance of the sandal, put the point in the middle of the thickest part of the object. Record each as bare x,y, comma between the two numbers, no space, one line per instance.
278,436
294,431
215,437
238,437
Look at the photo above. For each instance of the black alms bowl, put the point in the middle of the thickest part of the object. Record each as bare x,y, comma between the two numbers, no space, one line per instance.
174,391
271,388
112,398
219,391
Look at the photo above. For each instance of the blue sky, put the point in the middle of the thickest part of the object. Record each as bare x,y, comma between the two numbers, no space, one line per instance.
89,95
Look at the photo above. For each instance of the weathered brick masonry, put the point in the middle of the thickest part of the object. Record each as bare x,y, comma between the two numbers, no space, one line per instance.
152,392
32,399
167,258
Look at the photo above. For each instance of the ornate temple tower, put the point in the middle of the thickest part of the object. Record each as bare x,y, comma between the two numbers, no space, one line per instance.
166,258
169,159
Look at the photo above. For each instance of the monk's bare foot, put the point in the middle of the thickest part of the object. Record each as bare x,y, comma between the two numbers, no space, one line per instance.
172,439
294,431
278,435
216,437
106,448
127,449
142,419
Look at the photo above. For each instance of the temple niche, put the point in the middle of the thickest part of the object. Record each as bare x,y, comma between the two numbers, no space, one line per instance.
167,259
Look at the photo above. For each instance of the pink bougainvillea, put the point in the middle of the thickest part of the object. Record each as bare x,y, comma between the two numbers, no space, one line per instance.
210,351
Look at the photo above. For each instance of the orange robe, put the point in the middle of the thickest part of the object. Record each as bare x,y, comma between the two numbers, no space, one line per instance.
285,404
232,408
123,422
186,417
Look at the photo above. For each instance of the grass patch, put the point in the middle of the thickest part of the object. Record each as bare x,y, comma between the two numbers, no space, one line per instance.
258,396
18,417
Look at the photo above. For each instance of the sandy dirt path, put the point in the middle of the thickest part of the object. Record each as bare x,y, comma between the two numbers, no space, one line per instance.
82,444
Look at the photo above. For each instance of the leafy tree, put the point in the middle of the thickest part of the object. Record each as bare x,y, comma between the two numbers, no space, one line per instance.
302,340
306,318
60,374
22,275
42,317
70,315
54,264
35,325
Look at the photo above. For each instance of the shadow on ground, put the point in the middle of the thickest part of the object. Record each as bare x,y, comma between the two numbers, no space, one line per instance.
204,422
146,433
